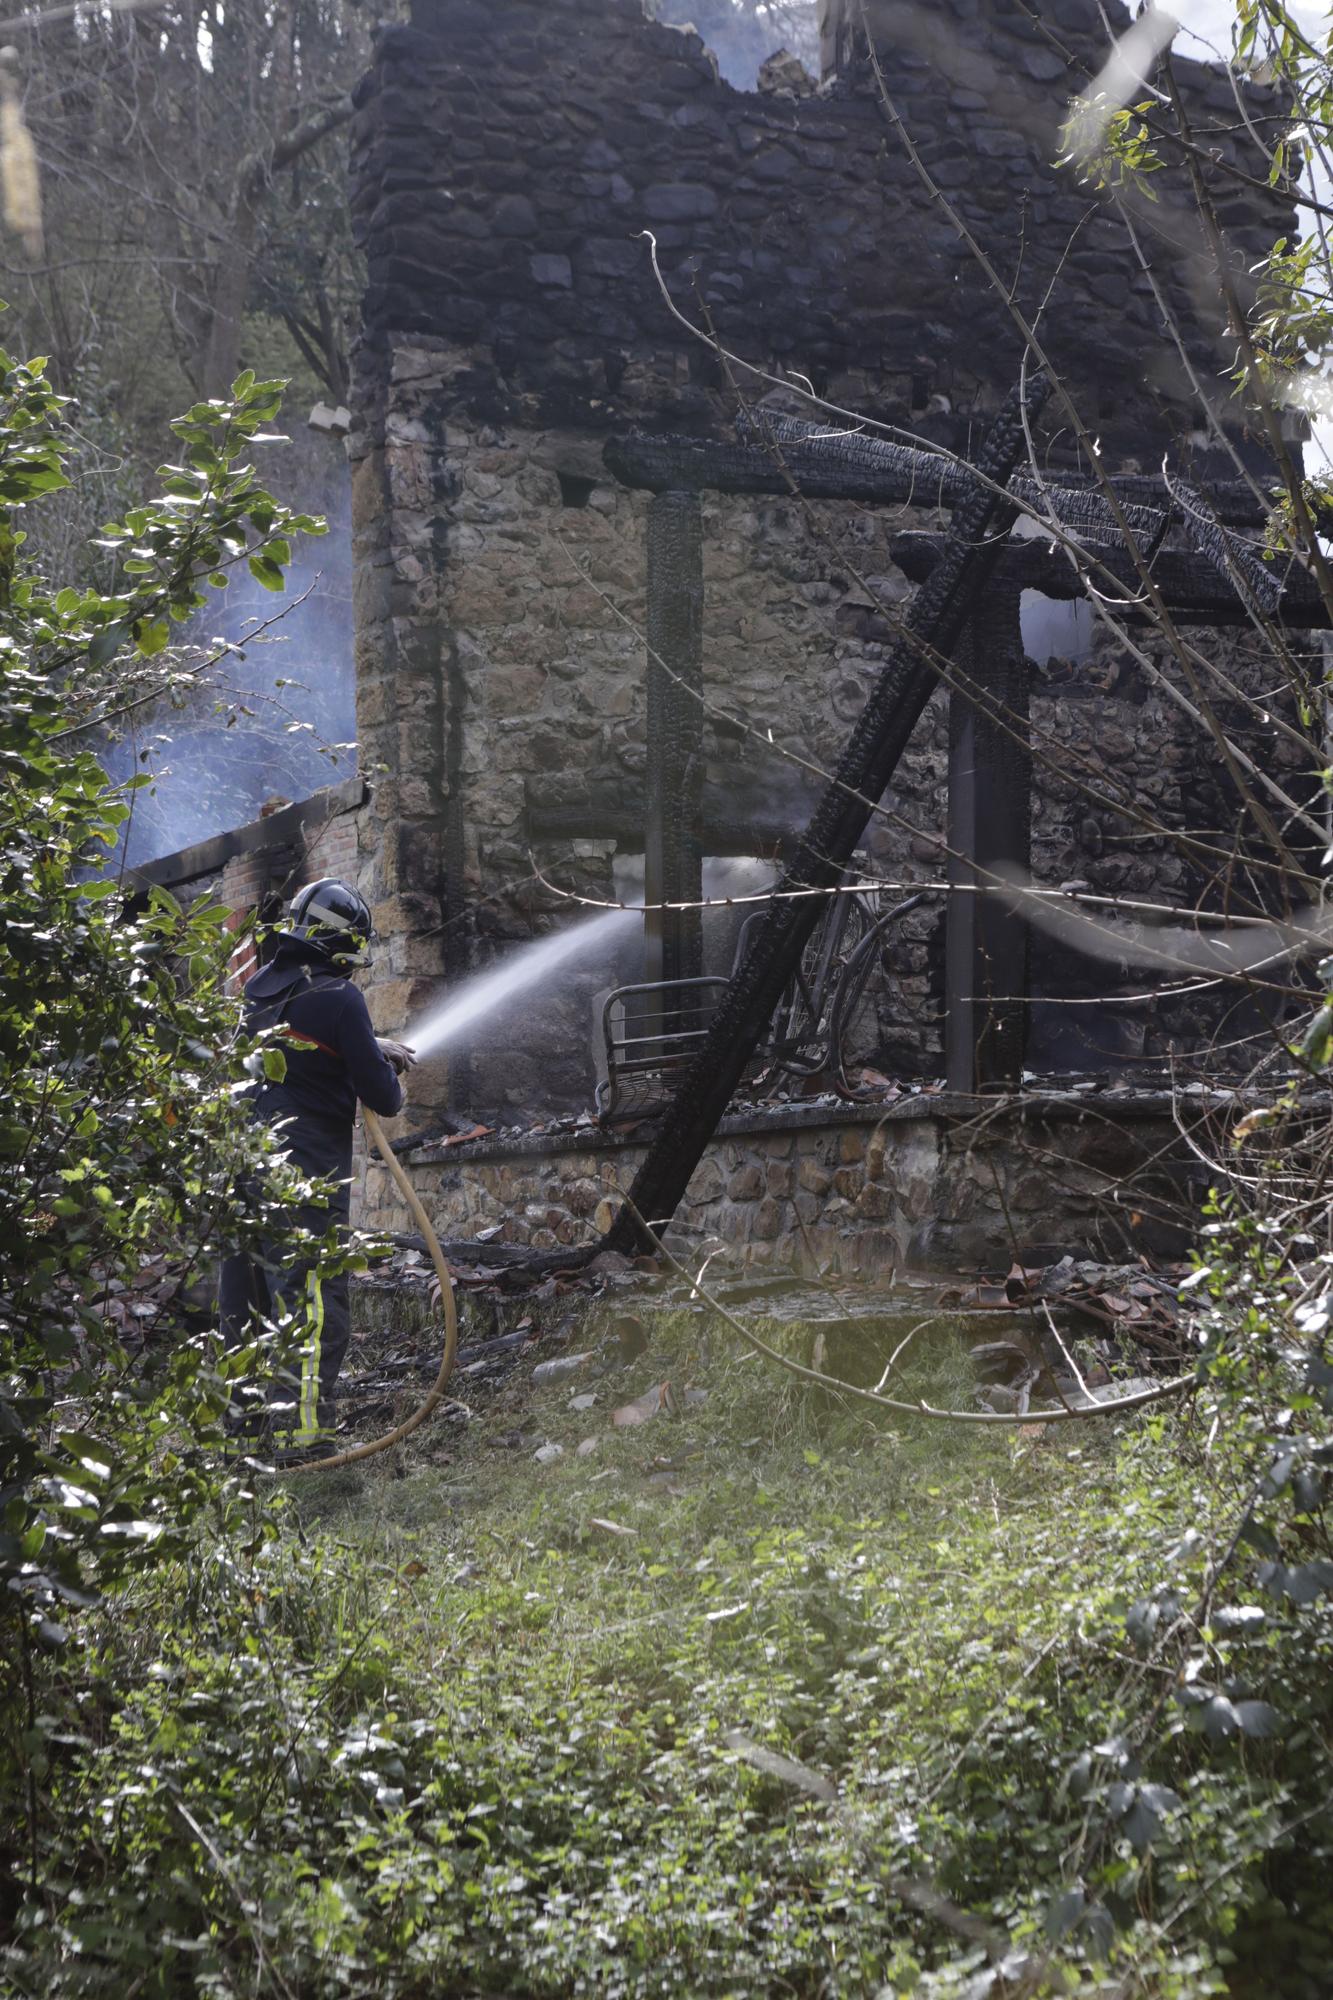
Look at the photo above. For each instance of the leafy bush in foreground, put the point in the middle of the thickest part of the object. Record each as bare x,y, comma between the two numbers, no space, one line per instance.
125,1158
447,1734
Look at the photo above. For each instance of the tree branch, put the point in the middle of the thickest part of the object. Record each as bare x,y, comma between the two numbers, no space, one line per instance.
1137,1401
259,168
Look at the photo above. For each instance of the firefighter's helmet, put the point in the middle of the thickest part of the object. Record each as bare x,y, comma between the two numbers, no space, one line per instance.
332,918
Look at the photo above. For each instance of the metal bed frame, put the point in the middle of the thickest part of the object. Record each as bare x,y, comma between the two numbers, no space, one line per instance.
650,1033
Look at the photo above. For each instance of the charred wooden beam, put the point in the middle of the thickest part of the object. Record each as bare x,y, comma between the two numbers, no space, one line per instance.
882,475
1230,501
658,463
1237,563
908,678
673,828
990,832
1192,587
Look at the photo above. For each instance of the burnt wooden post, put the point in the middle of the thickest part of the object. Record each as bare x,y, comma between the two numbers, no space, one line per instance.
673,856
932,627
990,831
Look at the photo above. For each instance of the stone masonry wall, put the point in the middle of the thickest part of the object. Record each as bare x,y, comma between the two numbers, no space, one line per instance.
927,1185
508,157
507,160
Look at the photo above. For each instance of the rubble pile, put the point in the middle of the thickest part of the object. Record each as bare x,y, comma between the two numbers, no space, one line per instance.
1077,1327
1071,1332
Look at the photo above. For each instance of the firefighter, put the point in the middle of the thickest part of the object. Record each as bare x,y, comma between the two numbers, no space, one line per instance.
333,1060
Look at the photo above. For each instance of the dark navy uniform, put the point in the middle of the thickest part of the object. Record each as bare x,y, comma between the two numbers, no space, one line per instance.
333,1060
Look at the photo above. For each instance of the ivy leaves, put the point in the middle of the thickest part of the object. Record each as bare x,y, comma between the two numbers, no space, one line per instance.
1110,145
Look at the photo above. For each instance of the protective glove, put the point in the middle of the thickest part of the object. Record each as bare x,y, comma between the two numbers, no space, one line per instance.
397,1053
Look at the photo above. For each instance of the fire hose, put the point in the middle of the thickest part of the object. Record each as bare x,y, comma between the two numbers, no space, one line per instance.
435,1395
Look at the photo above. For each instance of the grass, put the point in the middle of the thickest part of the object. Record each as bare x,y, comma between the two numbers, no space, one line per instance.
475,1723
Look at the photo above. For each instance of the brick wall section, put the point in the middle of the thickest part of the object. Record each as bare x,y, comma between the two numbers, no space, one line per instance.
249,880
336,853
245,881
506,160
271,857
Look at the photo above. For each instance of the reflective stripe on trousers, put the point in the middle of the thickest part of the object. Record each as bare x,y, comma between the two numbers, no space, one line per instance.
307,1409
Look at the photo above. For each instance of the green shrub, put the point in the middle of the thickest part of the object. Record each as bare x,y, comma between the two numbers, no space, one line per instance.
126,1160
445,1733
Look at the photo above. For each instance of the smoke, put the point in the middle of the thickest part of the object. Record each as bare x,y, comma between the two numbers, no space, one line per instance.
742,34
1122,77
1055,628
723,875
247,739
1215,947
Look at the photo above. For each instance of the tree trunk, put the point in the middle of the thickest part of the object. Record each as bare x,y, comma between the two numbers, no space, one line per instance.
229,297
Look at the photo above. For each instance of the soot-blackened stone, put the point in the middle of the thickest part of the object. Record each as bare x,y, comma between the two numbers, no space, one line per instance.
551,270
679,201
612,256
514,216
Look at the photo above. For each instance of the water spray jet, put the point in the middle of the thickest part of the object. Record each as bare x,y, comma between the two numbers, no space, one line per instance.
491,992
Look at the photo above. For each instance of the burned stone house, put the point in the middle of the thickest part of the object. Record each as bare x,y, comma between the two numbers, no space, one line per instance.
510,162
555,199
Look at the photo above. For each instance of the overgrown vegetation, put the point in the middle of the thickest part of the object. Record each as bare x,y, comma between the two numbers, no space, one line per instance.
126,1160
191,170
492,1726
767,1698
